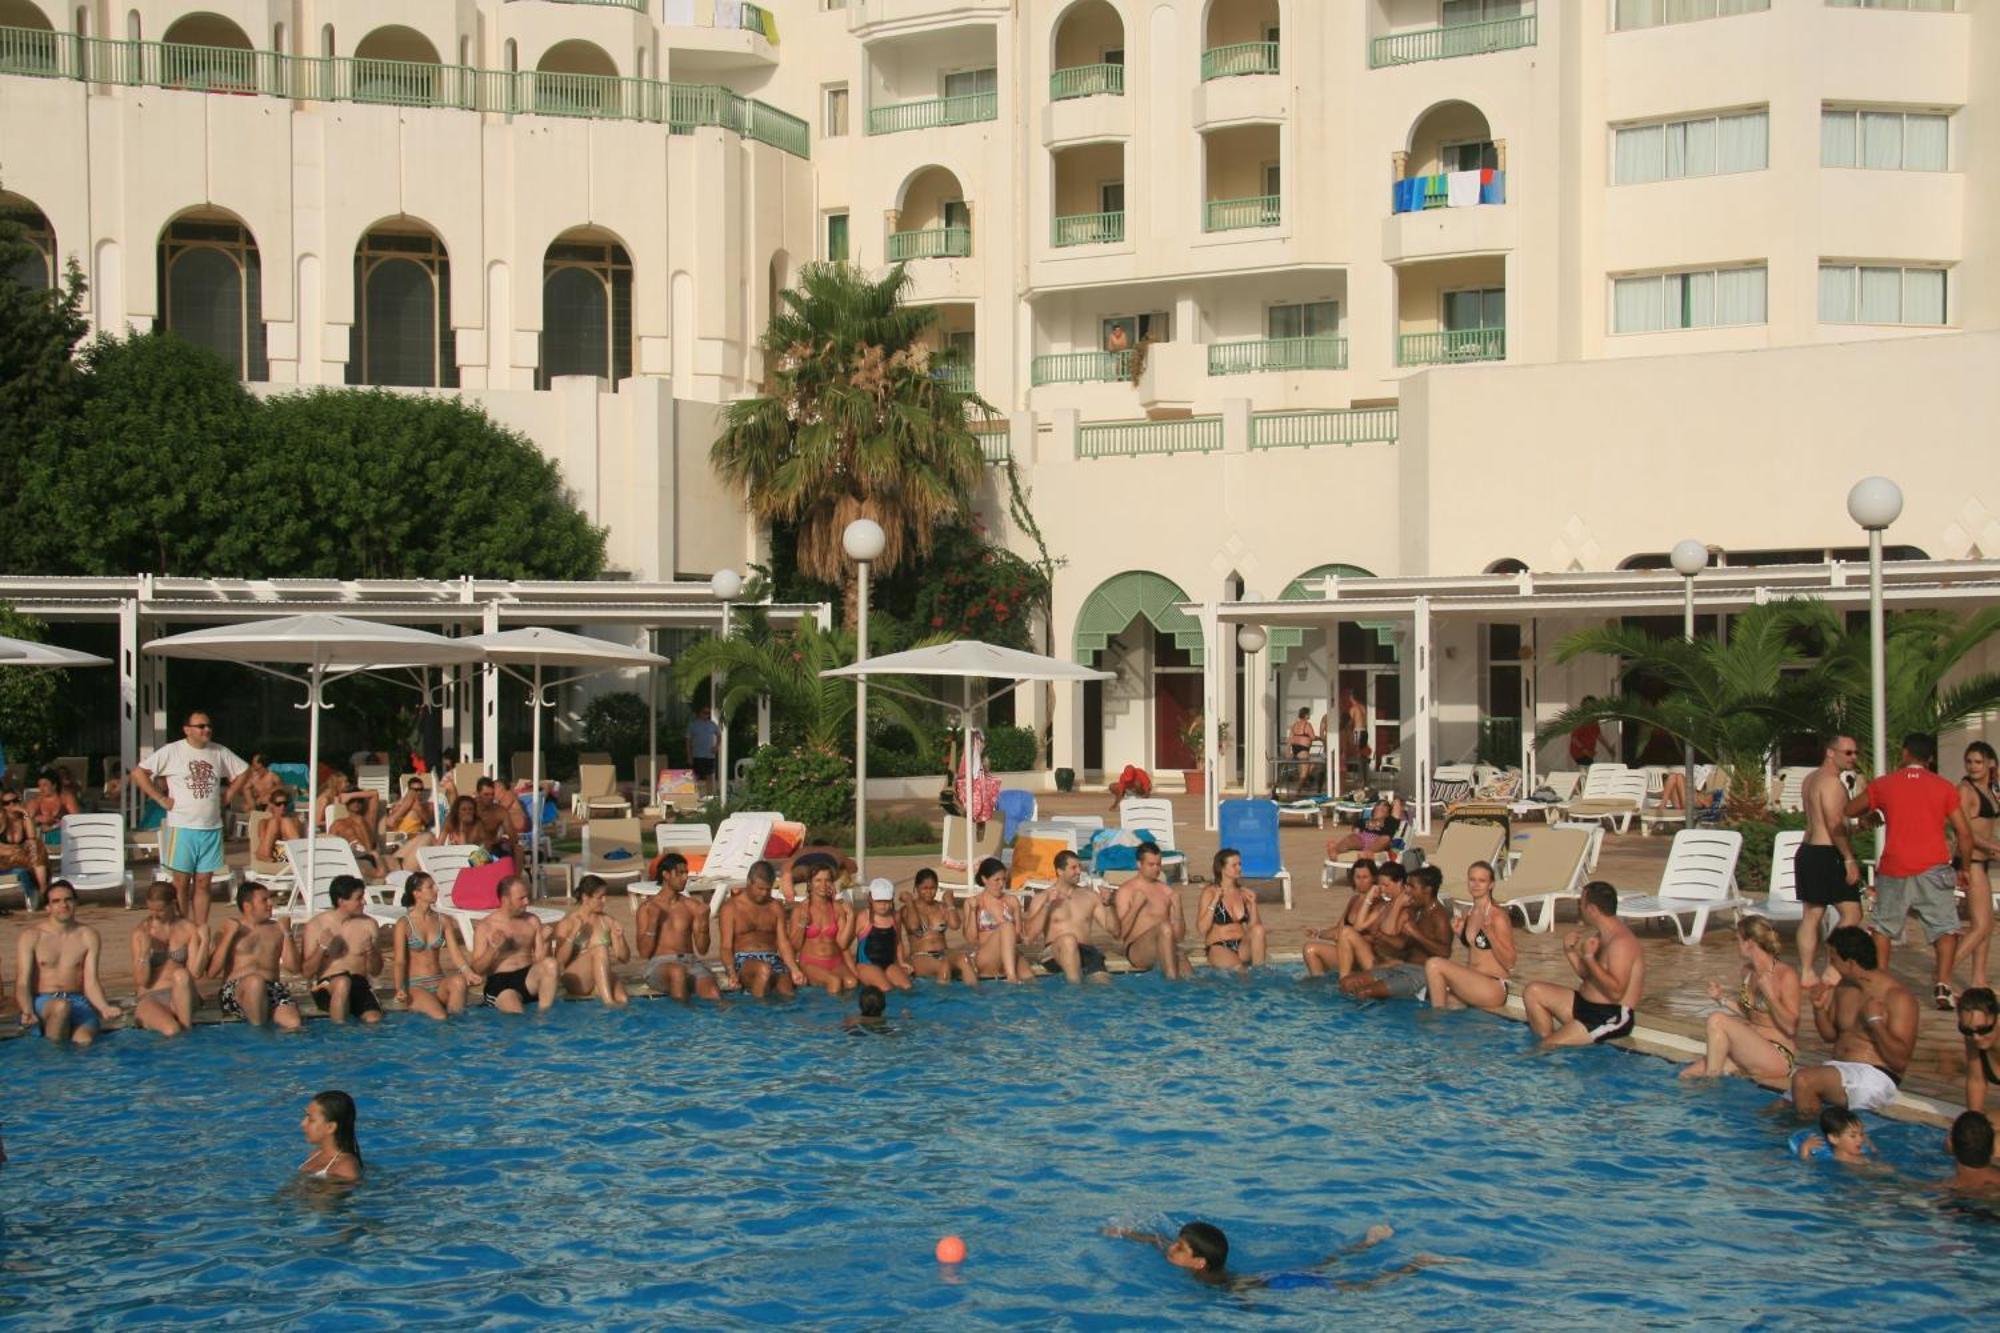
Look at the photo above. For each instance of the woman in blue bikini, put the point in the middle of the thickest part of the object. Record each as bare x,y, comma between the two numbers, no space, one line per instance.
431,971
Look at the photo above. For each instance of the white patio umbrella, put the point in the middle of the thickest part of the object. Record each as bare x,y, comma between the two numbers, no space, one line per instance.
321,644
968,660
524,654
28,653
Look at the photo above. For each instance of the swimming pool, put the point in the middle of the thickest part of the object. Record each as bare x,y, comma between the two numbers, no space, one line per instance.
760,1165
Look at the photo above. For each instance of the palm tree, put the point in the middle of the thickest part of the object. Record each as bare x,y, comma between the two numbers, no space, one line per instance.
1920,650
753,662
855,422
1735,701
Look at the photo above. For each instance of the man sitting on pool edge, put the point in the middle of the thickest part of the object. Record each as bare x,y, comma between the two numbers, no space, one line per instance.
1871,1020
1203,1250
1611,975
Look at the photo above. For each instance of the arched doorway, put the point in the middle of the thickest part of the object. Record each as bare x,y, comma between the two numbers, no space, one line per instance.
397,65
1089,52
576,78
586,308
402,332
933,220
36,271
1131,624
210,289
208,53
1367,666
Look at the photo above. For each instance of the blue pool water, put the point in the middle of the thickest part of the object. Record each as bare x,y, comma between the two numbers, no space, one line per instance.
759,1165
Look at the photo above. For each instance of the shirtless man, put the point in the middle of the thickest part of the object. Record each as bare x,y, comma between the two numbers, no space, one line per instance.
1871,1019
1826,872
501,818
261,784
1418,929
1149,919
341,953
252,953
1611,972
357,830
280,822
756,947
1061,916
511,950
55,968
673,935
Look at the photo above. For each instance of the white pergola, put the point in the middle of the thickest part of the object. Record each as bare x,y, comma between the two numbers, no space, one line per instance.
146,606
1417,606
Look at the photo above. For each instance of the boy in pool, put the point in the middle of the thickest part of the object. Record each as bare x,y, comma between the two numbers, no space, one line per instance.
870,1002
1840,1139
1202,1249
1971,1146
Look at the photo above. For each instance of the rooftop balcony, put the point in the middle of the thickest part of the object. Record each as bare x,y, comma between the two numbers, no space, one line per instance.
1131,439
1451,41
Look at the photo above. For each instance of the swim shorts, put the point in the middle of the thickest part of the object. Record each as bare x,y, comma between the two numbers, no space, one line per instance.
656,971
360,997
192,851
776,964
499,983
1932,895
1822,877
1089,959
1406,981
278,992
1868,1087
82,1013
1604,1022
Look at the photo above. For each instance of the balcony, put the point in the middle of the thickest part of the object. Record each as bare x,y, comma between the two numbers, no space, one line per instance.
1087,229
1451,346
1267,354
1081,368
930,243
1227,62
1306,430
638,6
1131,439
1261,210
1451,41
953,375
1087,81
1420,193
933,113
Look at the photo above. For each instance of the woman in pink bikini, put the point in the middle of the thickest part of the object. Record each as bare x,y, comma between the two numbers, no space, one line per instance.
822,934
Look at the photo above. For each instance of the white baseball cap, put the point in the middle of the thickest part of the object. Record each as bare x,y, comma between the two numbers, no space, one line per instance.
882,890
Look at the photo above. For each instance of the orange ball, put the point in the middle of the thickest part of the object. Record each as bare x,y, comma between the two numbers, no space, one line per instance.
951,1250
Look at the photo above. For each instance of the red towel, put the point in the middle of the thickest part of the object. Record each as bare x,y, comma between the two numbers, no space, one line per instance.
478,887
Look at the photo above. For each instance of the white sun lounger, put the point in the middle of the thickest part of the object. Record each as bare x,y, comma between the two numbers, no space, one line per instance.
442,863
1155,815
1699,881
739,842
93,856
682,838
332,858
1553,863
1610,792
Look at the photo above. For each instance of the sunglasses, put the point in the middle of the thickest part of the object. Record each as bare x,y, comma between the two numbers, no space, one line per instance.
1965,1031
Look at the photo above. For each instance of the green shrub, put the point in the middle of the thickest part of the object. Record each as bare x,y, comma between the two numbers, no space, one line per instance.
1753,865
1010,749
616,724
883,831
898,764
810,786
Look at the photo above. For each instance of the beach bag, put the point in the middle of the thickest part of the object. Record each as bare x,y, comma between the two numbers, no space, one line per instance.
478,887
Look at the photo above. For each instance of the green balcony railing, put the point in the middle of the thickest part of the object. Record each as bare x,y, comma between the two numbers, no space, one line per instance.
954,375
933,113
1261,210
681,107
931,243
1129,439
636,5
996,445
1087,229
1324,352
1081,368
1452,40
1087,81
1223,62
1339,425
1449,346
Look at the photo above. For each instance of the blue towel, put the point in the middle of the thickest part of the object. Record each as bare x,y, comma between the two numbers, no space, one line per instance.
1115,849
1493,190
1016,807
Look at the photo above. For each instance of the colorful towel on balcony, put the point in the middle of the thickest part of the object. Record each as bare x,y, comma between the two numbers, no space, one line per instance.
1492,186
770,26
1461,189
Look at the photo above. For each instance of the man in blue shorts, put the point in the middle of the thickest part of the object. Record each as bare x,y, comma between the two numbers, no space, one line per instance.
201,779
55,970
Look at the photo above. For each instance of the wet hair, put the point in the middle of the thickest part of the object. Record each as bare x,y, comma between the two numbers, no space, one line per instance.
1222,855
1063,859
1601,895
343,887
929,876
589,885
244,892
412,884
338,1107
1920,747
159,892
760,872
669,863
1392,871
1761,933
1836,1120
1207,1243
1852,944
1980,998
1365,863
872,1001
1971,1139
1984,751
508,883
1487,866
987,868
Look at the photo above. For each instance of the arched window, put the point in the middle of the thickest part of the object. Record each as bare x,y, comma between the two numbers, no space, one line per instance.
36,271
576,78
402,310
210,292
586,309
31,48
396,65
208,53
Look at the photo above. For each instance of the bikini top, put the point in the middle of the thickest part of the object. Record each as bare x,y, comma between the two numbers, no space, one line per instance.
826,932
1988,809
1220,914
418,944
1478,939
987,921
321,1174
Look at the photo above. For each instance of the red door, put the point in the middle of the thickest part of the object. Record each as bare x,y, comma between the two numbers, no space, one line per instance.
1176,698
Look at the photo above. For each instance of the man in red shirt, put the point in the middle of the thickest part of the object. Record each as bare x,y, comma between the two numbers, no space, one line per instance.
1916,869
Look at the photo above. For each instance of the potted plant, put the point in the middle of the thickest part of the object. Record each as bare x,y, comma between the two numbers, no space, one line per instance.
1194,736
1065,779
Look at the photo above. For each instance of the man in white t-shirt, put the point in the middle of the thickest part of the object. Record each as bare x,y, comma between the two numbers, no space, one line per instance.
201,780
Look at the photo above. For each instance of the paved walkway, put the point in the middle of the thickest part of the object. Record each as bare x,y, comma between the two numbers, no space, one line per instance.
1677,975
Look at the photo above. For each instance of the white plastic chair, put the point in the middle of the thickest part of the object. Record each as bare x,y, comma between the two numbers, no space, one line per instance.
1553,862
443,864
682,838
373,777
1610,792
1791,790
93,855
1155,815
739,843
1699,881
601,837
331,858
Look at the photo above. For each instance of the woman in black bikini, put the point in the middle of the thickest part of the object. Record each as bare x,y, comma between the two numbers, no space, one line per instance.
881,957
166,957
926,925
822,932
1979,797
1369,901
1486,929
1979,1024
1232,932
431,971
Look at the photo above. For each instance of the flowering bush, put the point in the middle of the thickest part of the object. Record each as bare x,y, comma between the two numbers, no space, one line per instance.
991,597
813,786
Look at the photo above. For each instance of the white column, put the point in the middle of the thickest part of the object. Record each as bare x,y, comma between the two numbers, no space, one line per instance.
1336,725
489,740
128,699
1420,644
1530,704
1212,766
763,720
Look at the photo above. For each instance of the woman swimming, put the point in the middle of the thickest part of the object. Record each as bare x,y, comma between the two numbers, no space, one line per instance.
822,929
1319,949
1487,932
166,956
432,973
1758,1035
992,925
926,926
329,1128
589,943
1231,929
881,956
